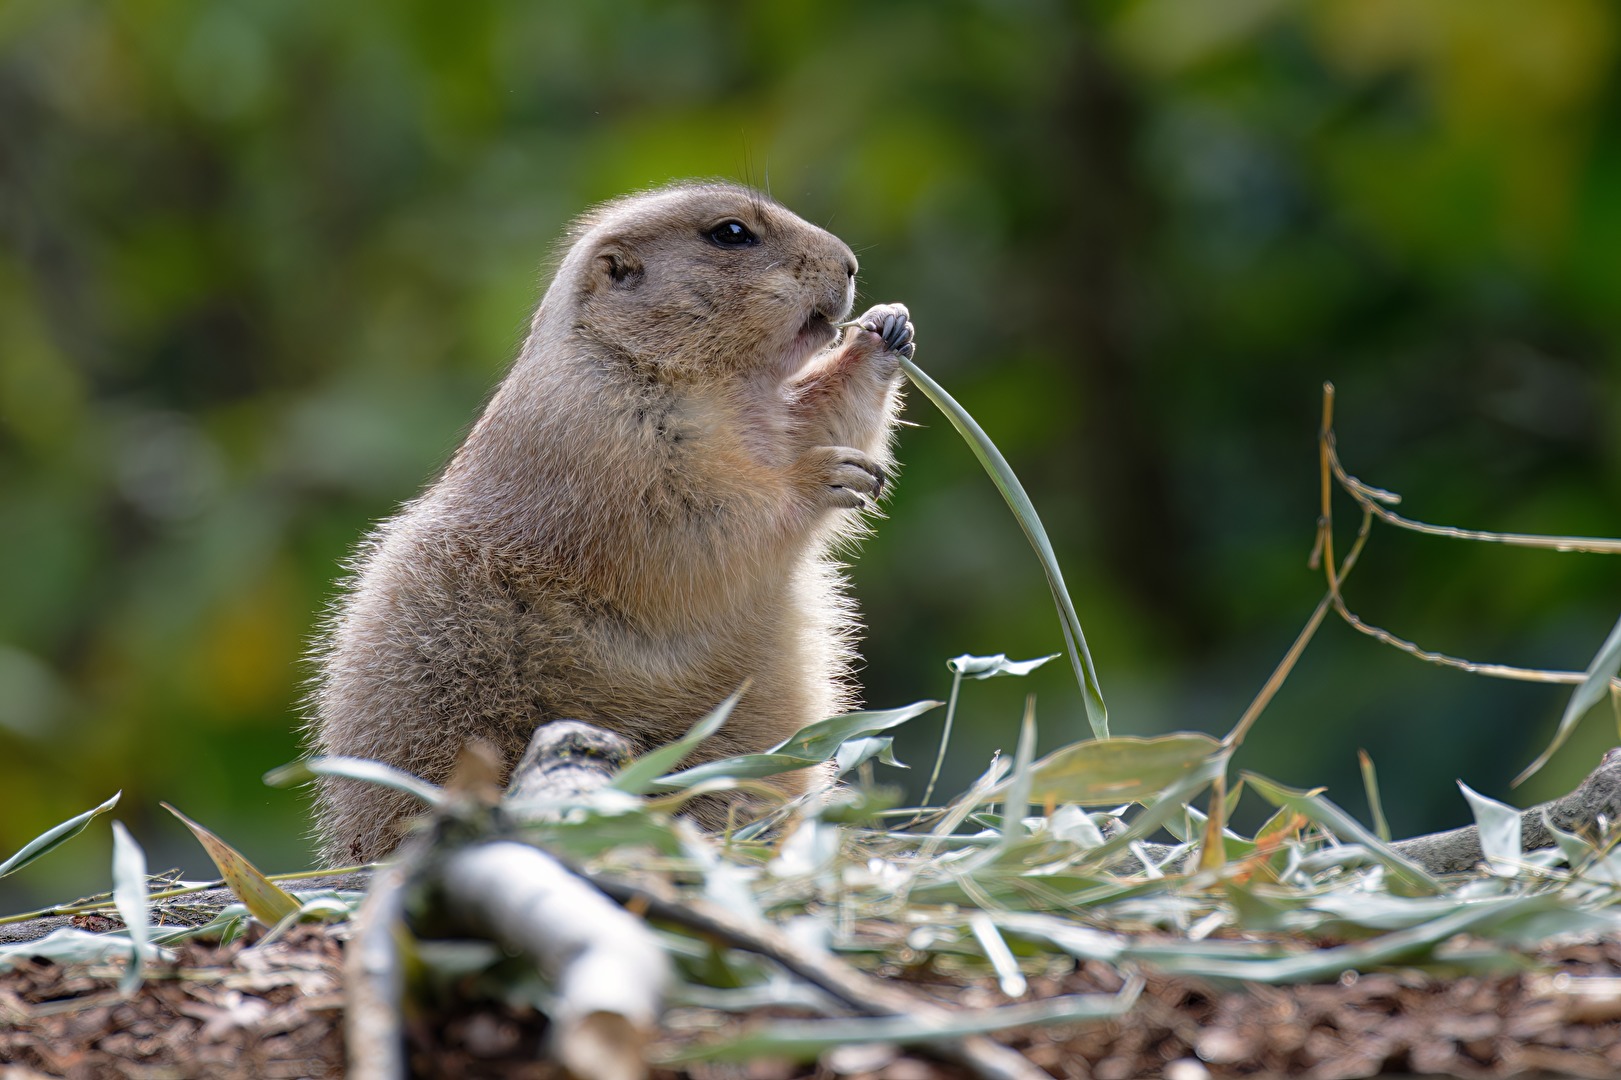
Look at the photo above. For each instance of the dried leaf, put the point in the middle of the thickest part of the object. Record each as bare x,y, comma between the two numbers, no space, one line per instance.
264,899
988,667
1408,874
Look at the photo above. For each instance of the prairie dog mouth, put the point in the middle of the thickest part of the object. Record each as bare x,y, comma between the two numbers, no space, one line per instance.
814,335
818,329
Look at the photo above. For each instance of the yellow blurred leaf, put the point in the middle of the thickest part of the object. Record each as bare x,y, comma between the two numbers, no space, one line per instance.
265,900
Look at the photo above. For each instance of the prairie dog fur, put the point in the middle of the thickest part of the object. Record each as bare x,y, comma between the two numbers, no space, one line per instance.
640,520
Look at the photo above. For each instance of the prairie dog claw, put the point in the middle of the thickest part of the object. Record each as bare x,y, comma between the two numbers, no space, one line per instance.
892,323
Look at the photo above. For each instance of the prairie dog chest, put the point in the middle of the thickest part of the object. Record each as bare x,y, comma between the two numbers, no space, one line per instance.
748,421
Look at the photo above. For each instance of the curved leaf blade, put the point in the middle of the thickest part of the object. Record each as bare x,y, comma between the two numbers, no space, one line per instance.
989,667
1001,474
641,776
54,837
133,904
1499,827
352,768
821,740
1589,692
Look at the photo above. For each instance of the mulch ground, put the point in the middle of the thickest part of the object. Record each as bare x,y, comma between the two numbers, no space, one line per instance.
275,1011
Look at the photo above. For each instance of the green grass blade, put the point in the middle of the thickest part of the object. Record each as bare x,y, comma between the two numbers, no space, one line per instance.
1097,713
351,768
812,745
742,767
820,740
130,897
945,738
973,667
1605,666
1523,917
1156,812
1376,805
1017,801
54,837
67,945
638,776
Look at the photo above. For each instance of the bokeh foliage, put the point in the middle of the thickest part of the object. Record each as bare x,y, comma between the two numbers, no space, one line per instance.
260,263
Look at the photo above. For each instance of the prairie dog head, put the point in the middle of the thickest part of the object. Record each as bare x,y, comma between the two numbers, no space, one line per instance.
701,280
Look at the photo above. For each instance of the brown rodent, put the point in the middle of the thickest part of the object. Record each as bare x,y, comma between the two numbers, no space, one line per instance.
641,519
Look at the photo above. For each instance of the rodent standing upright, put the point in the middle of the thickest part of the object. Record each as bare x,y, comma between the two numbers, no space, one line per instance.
641,519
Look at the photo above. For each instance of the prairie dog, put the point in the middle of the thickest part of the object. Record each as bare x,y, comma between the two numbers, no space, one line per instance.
641,519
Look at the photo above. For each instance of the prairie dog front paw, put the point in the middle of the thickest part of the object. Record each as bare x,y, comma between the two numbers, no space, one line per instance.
849,396
841,476
893,324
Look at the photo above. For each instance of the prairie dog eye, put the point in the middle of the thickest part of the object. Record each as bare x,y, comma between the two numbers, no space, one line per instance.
732,234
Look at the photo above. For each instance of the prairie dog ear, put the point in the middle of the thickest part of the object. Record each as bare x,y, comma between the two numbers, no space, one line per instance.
617,267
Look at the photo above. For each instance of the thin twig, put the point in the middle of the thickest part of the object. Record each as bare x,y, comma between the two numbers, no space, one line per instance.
1372,501
1322,551
1493,671
1377,502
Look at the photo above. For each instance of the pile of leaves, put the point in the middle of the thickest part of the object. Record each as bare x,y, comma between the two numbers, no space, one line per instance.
1069,930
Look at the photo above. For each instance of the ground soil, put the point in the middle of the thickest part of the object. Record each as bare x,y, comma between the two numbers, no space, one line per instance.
275,1011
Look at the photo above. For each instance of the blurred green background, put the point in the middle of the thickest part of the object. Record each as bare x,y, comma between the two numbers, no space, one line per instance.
261,262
